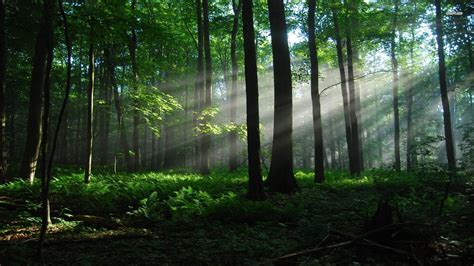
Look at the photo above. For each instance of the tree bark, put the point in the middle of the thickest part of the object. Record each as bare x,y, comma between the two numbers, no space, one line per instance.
345,98
396,113
410,134
206,140
136,118
45,126
90,114
233,137
281,178
355,155
33,139
48,174
255,188
317,124
448,132
3,117
118,110
199,92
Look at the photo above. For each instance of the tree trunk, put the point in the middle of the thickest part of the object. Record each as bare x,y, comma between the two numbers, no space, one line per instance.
355,155
199,92
106,117
317,124
118,110
396,114
332,143
45,127
233,137
153,152
90,114
136,118
281,177
345,98
170,145
33,139
48,174
206,140
255,189
410,133
3,117
448,133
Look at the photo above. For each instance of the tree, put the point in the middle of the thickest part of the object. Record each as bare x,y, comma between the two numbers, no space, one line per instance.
396,113
281,177
47,174
345,98
255,190
136,119
3,117
355,154
317,124
118,109
199,86
233,137
206,140
38,75
90,113
448,132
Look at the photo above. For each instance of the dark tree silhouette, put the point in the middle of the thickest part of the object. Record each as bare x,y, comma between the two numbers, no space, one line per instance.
396,113
38,75
206,140
317,125
3,117
281,177
136,119
233,137
345,98
251,87
448,131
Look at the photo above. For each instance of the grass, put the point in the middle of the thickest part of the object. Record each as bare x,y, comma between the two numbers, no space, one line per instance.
183,218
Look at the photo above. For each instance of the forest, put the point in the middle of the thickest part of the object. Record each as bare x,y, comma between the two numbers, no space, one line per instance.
237,132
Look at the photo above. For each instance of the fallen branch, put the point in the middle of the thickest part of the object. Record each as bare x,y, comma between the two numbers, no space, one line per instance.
353,240
309,251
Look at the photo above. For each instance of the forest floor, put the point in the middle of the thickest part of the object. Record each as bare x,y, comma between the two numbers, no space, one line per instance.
181,218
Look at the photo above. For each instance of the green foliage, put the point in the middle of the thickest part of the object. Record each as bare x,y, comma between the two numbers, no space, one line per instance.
467,147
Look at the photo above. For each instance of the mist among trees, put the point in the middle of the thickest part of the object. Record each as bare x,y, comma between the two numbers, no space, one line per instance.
236,132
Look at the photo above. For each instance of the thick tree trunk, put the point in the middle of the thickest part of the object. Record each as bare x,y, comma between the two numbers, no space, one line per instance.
233,137
396,113
317,124
90,114
281,177
345,98
33,139
3,117
206,140
255,189
448,133
136,118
